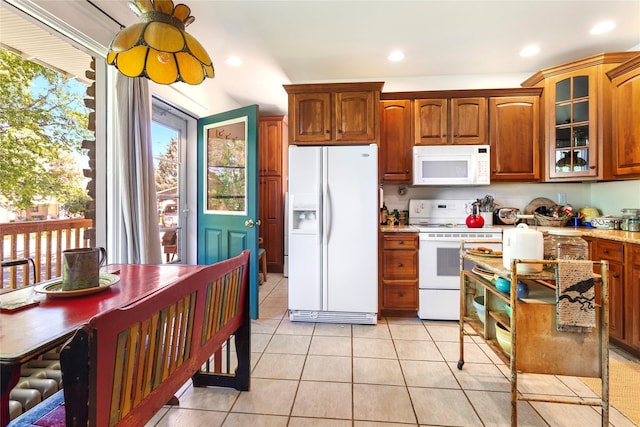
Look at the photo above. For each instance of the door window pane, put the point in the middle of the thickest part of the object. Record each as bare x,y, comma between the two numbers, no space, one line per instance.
226,167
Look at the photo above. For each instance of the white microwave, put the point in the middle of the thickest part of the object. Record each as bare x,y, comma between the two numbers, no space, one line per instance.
451,165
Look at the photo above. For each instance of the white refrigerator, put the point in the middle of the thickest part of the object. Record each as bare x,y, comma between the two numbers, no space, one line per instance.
333,234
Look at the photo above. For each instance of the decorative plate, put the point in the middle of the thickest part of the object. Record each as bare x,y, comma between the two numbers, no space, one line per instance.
482,254
482,273
53,288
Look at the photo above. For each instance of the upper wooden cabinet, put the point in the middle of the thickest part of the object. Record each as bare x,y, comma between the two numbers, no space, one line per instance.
577,114
514,138
272,145
396,141
450,121
341,113
625,119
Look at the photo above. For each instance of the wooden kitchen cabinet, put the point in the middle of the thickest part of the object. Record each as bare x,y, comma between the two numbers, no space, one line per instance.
577,117
625,119
441,121
514,138
399,281
632,311
272,169
329,114
613,252
396,142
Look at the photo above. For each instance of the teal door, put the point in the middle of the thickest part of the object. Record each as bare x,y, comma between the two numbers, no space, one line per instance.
228,190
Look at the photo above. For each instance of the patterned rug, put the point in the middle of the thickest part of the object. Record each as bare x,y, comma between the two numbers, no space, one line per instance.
624,387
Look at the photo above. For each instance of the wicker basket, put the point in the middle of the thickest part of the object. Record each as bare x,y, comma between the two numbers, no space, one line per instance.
549,221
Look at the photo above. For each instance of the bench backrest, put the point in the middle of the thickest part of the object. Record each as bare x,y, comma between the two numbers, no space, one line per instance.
140,355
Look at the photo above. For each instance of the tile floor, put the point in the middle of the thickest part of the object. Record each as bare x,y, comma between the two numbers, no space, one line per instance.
400,372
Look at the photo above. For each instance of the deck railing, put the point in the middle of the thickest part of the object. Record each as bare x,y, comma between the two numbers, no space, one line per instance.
43,241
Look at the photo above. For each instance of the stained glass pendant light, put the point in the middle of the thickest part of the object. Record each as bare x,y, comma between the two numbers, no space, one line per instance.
158,47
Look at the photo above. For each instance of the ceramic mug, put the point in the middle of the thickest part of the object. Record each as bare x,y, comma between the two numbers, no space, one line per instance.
81,268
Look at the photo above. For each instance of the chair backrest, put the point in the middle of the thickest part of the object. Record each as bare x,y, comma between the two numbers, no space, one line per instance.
16,274
146,351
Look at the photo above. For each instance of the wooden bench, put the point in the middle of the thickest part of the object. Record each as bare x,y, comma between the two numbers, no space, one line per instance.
125,364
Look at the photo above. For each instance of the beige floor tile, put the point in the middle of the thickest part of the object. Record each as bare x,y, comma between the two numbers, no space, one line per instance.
157,417
472,353
192,418
480,376
288,327
417,350
444,331
374,347
279,366
443,407
414,331
323,400
317,422
289,344
377,371
330,346
212,398
272,311
267,396
332,329
420,373
382,403
253,420
495,410
542,384
377,424
259,342
264,326
327,368
564,415
381,330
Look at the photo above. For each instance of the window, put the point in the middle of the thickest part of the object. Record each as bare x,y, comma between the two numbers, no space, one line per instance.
168,134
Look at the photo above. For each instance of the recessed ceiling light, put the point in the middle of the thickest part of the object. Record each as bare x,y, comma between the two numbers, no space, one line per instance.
530,50
234,61
602,27
396,56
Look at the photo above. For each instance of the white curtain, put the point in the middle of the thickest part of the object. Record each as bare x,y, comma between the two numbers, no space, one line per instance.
139,213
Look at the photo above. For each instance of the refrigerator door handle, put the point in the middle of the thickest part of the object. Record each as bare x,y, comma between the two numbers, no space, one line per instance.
328,213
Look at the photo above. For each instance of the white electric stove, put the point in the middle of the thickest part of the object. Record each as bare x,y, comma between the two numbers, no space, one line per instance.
441,225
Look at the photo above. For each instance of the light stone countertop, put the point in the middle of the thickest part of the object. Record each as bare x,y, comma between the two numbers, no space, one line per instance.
618,235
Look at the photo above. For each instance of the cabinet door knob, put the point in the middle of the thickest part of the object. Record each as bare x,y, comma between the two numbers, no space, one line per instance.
400,265
616,275
605,251
401,242
339,130
592,167
327,131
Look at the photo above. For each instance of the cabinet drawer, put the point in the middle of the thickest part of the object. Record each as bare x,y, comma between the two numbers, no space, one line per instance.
400,241
398,265
609,250
400,296
635,254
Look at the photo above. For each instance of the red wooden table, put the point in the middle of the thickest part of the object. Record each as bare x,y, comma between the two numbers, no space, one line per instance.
30,332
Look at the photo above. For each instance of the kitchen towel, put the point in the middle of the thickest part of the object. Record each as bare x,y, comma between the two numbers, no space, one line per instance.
575,296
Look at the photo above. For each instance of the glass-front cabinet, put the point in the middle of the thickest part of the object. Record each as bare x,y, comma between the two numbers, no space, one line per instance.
577,117
573,134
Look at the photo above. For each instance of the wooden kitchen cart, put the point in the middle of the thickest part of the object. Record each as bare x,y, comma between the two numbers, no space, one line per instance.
537,347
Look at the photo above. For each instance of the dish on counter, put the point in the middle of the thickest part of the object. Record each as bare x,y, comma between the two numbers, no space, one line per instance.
483,273
53,288
484,252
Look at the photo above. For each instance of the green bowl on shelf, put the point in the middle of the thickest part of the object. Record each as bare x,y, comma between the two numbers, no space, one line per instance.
478,304
507,308
504,338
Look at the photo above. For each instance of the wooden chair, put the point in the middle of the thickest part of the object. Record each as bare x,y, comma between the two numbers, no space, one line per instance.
262,259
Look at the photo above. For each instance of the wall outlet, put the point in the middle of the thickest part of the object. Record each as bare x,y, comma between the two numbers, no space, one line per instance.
562,198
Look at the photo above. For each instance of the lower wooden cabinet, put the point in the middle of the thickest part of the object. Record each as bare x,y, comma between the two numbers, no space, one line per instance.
632,312
624,290
398,294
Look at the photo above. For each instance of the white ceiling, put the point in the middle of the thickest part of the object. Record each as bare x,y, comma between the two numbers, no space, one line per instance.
304,41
